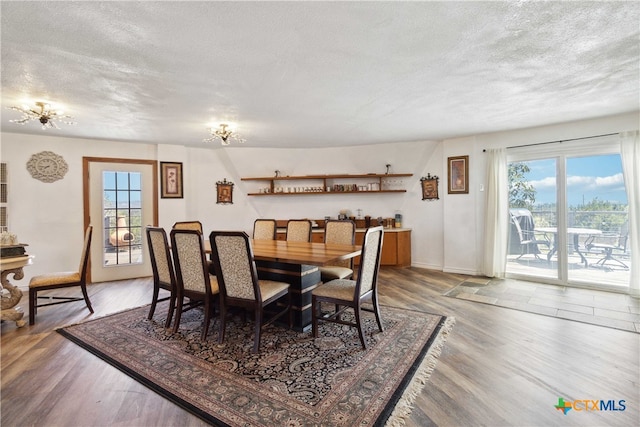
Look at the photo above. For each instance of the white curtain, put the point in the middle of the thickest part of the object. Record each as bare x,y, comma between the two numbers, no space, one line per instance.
496,225
630,153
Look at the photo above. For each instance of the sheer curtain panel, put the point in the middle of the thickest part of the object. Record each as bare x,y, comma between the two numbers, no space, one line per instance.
630,154
496,224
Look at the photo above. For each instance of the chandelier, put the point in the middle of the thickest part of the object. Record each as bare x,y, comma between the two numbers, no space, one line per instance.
224,134
43,113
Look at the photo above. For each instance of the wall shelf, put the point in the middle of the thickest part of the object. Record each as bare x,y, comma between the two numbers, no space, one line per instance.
335,184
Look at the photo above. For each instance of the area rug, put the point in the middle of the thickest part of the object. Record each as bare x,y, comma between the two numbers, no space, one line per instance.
294,380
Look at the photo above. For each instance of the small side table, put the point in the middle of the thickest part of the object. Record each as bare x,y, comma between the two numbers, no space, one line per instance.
10,294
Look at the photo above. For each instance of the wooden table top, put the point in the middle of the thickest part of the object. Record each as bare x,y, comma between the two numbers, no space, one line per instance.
300,252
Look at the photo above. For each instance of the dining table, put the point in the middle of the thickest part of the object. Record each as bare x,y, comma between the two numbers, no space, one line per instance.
575,232
297,263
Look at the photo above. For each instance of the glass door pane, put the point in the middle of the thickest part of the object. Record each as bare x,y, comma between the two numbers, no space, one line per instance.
532,249
597,221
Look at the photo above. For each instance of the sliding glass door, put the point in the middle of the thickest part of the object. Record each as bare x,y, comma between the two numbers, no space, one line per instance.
569,219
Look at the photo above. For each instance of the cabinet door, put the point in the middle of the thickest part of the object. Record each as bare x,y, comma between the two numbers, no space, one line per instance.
389,254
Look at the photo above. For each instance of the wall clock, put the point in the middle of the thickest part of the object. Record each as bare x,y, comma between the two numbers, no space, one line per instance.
47,166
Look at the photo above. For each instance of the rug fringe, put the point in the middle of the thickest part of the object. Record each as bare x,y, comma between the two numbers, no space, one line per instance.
405,405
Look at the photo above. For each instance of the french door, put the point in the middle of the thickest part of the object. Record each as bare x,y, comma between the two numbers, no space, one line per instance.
576,209
120,200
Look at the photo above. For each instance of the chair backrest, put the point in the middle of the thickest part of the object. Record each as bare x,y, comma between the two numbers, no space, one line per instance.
188,225
298,230
623,237
341,232
264,229
161,263
235,268
369,261
84,257
516,223
190,262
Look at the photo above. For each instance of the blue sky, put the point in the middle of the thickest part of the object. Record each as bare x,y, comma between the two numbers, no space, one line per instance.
587,178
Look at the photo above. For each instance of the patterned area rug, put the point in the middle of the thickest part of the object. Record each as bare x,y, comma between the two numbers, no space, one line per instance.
294,381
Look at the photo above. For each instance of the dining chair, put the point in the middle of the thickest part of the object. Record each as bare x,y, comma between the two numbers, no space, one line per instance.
65,279
298,230
163,273
193,280
616,243
264,229
239,283
338,232
350,294
526,235
188,225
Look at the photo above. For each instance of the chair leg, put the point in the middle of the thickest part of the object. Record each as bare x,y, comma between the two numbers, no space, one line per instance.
154,301
33,297
86,297
359,326
207,319
258,328
315,306
376,310
176,325
223,318
172,307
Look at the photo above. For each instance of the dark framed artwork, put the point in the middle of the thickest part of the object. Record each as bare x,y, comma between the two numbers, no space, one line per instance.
429,187
171,180
225,192
458,174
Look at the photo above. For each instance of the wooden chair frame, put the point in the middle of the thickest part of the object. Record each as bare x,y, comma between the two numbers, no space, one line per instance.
369,268
257,304
61,280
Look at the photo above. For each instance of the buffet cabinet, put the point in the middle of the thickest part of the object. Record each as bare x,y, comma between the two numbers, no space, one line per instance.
396,245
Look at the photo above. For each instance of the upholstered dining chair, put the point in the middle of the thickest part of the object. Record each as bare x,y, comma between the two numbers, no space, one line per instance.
163,273
339,232
298,230
239,283
188,225
345,294
193,280
65,279
264,229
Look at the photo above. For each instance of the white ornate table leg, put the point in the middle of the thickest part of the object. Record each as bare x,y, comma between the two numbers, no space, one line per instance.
11,297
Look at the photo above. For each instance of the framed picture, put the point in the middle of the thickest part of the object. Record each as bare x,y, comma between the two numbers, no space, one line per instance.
458,174
429,187
225,191
171,180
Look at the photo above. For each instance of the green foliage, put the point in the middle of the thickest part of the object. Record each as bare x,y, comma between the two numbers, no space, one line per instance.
521,193
600,214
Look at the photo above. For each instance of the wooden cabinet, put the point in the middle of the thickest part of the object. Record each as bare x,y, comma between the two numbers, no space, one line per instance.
328,184
396,245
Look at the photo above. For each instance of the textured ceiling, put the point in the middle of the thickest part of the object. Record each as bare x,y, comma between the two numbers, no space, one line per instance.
311,74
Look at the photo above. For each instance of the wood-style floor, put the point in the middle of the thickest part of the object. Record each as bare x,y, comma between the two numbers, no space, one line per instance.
499,367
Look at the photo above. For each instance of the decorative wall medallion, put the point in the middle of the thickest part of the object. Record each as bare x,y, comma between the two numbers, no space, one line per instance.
47,166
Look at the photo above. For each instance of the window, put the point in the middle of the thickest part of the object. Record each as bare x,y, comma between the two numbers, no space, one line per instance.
571,206
122,213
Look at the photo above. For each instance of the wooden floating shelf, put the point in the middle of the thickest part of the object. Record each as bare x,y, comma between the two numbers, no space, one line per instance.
378,178
304,193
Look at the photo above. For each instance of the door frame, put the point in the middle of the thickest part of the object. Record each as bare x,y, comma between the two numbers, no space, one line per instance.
86,161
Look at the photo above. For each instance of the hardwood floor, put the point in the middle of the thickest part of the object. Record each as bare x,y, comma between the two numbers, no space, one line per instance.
498,367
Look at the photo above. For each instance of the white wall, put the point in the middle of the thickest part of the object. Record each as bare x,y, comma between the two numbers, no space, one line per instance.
447,233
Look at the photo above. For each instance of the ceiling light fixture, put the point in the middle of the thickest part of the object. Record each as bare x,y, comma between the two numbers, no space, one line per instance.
44,114
223,133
